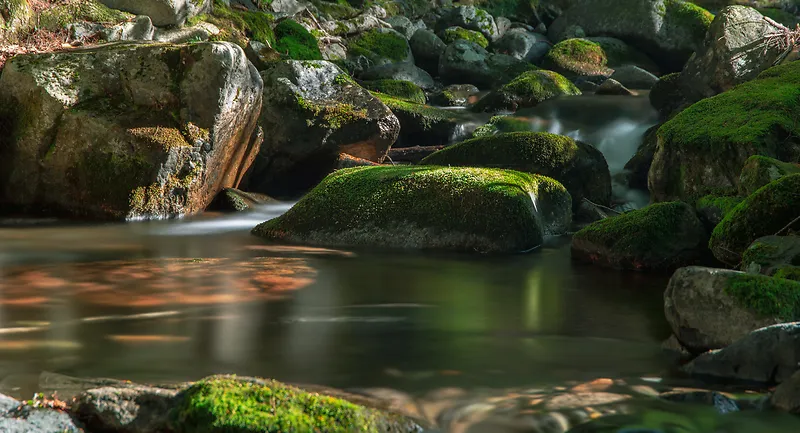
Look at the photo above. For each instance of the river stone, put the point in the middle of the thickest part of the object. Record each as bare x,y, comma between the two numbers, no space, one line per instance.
771,253
423,125
765,356
427,48
470,18
733,51
634,77
127,130
313,112
405,26
527,90
472,210
668,31
134,409
455,95
465,62
701,312
402,72
662,236
787,395
759,170
29,420
235,200
523,44
613,87
162,12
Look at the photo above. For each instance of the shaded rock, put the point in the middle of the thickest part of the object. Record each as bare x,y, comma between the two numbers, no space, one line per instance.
404,26
422,125
527,90
467,62
720,402
760,170
127,130
770,254
787,396
200,32
578,166
455,95
261,55
765,356
235,200
135,409
313,112
734,51
613,87
639,164
661,236
711,308
452,34
666,96
523,44
704,147
471,18
634,77
713,208
668,31
350,161
405,90
768,211
675,350
427,48
162,12
421,207
400,71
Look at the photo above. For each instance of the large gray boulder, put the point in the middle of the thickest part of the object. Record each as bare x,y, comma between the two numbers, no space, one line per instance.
427,48
523,44
465,62
312,112
669,31
125,408
127,130
162,12
735,50
400,71
702,312
470,18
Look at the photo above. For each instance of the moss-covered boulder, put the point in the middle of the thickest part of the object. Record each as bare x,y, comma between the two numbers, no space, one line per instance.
470,18
527,90
501,124
238,26
381,46
760,170
578,57
711,308
788,272
312,112
400,89
247,405
400,71
422,125
465,62
15,19
162,12
293,41
61,15
668,31
771,254
713,208
127,130
581,168
452,34
424,207
771,210
705,146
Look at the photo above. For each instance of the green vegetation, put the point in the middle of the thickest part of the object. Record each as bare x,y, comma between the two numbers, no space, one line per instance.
501,124
238,26
427,116
334,115
685,15
788,272
768,296
462,209
527,90
61,15
404,90
578,56
760,170
295,42
453,34
723,203
780,16
376,45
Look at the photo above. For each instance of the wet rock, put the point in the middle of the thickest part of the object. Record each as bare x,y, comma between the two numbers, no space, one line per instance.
769,254
787,396
581,168
134,409
760,170
661,236
400,71
666,96
455,95
313,112
162,12
467,62
235,200
770,210
127,130
765,356
712,208
634,77
734,51
422,207
668,31
523,44
639,164
720,402
613,87
527,90
422,125
471,18
711,308
427,48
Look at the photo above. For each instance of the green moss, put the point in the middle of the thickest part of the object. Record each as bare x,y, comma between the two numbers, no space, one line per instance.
333,115
376,44
295,42
527,90
760,170
453,34
760,253
405,90
239,26
788,272
768,296
724,204
666,95
344,80
501,124
689,16
427,115
229,405
578,56
59,16
465,209
166,137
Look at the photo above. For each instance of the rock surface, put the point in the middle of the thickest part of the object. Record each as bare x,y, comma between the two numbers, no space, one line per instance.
134,409
527,90
162,12
523,44
467,62
771,253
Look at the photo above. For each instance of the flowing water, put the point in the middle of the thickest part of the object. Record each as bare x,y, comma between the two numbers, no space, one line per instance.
178,300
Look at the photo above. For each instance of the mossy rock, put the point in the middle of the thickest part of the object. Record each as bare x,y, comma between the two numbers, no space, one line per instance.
455,95
237,26
60,16
578,57
16,18
527,90
768,254
452,34
706,145
295,42
666,95
767,296
662,236
421,125
236,200
581,168
501,124
788,272
381,46
400,89
516,10
713,208
424,207
760,170
239,405
766,212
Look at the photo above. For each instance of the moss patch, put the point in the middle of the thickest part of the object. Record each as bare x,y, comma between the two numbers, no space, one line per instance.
295,42
501,124
453,34
768,296
427,117
578,56
689,16
61,15
788,272
333,115
527,90
462,209
724,204
238,26
375,44
400,89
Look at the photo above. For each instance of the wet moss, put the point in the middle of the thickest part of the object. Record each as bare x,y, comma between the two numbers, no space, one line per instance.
724,204
578,56
760,170
404,90
453,34
295,42
768,296
376,44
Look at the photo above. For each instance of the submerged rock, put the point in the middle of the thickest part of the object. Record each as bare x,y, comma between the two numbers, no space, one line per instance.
127,130
711,308
162,12
581,168
661,236
527,90
422,207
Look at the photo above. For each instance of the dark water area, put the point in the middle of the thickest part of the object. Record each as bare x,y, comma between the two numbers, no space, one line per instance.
178,300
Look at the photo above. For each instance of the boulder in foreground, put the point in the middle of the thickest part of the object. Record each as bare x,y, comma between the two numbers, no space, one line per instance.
426,207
